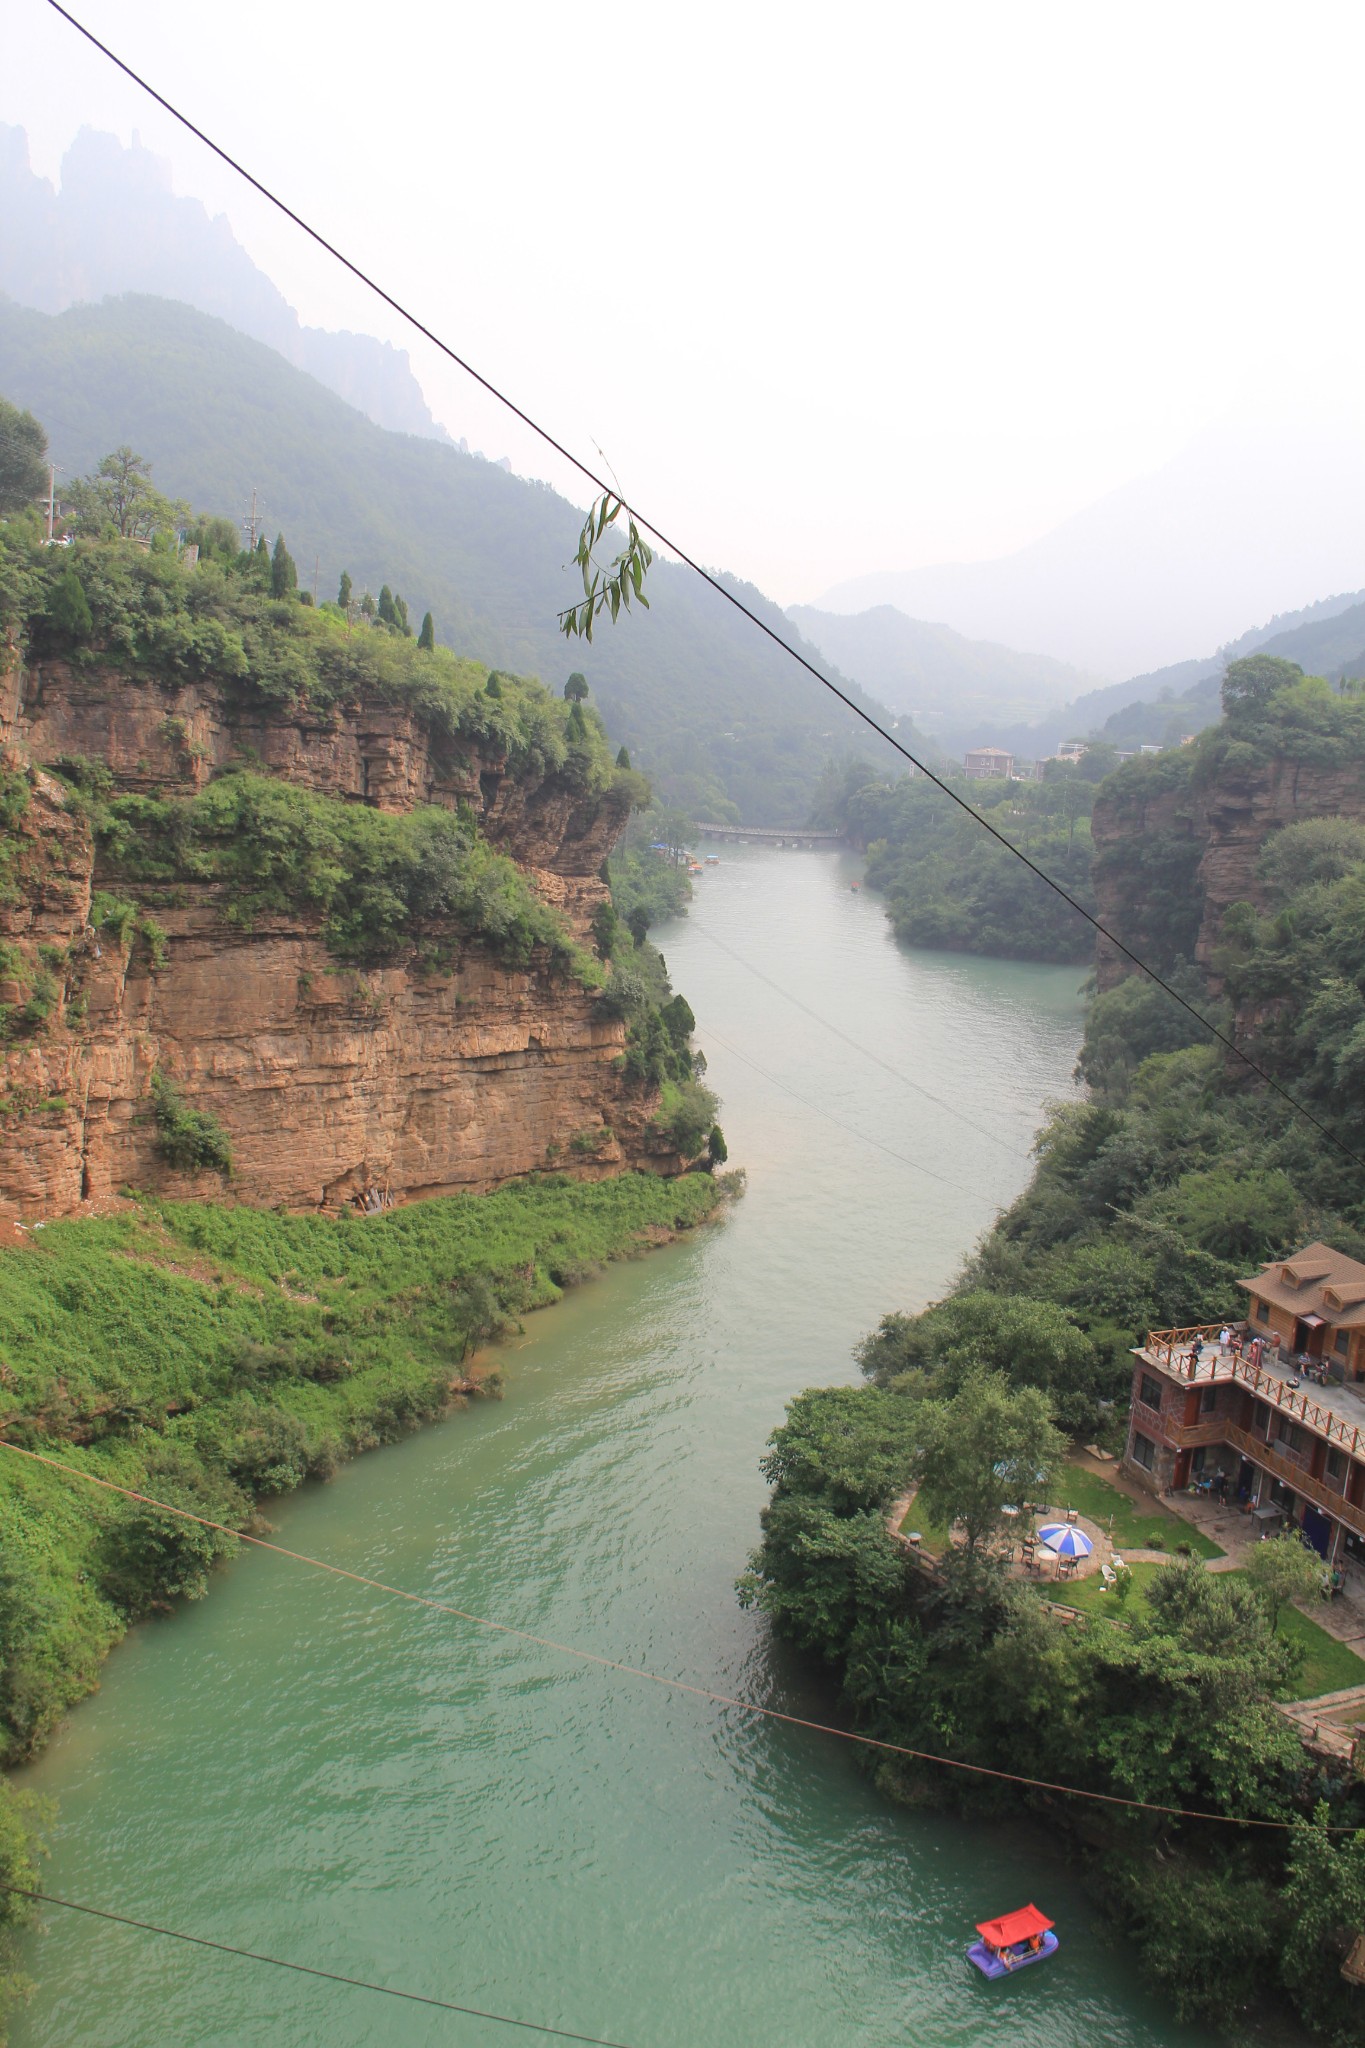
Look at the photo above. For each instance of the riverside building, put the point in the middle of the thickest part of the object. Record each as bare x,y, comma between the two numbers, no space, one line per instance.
1275,1418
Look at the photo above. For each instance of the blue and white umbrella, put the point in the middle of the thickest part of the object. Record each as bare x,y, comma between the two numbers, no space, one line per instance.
1066,1539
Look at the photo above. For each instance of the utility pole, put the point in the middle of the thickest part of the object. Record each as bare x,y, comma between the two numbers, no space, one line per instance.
251,545
51,499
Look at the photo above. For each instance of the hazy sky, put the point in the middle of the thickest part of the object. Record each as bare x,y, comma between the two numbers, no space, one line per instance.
835,289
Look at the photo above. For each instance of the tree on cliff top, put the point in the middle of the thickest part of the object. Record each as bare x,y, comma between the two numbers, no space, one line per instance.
284,576
1249,685
121,494
23,446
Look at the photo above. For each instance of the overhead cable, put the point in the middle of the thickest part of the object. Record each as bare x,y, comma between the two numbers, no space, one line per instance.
600,485
682,1685
252,1955
949,1108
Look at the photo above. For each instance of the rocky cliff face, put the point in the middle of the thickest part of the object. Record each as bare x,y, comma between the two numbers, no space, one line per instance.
333,1084
1210,842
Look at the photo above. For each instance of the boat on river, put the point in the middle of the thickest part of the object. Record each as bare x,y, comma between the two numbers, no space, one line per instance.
1012,1942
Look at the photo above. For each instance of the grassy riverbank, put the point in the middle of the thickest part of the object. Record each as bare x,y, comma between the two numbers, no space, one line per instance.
211,1356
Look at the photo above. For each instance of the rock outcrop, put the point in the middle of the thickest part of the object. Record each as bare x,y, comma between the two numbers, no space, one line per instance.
1213,838
333,1084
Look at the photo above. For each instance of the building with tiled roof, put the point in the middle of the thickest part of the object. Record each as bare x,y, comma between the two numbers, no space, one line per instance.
1275,1418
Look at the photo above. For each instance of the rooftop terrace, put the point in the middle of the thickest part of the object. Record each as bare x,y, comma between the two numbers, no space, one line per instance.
1332,1409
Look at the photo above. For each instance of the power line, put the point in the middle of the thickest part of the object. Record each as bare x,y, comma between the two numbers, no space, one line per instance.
600,485
867,1054
838,1122
252,1955
683,1685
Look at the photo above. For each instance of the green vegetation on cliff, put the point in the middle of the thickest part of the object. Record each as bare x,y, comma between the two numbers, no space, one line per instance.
715,715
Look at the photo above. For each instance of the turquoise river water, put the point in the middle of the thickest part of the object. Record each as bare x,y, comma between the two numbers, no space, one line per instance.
299,1766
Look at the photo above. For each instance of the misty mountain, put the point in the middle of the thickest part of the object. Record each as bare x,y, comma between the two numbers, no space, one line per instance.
115,226
957,690
1252,516
710,709
1327,639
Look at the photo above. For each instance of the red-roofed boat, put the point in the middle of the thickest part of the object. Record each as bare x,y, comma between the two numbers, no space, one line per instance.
1012,1942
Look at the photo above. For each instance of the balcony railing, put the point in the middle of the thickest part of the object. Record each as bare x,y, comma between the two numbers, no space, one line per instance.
1166,1348
1298,1481
1165,1345
1189,1436
1278,1394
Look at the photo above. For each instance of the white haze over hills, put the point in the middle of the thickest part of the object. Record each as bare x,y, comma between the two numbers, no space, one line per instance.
1261,514
114,225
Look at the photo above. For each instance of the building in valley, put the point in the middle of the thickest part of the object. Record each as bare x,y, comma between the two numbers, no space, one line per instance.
1276,1419
980,763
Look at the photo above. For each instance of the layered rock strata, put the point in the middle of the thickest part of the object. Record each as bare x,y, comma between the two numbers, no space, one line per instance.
333,1084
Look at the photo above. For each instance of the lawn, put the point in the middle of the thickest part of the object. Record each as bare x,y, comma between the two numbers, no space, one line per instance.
933,1536
1328,1665
1148,1526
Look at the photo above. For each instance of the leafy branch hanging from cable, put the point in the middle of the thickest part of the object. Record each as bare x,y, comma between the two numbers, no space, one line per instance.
606,587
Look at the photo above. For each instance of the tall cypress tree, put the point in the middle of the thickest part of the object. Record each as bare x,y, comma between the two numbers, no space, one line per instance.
427,637
386,615
344,589
284,577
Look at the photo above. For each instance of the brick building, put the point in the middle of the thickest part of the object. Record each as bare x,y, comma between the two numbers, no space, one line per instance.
1276,1419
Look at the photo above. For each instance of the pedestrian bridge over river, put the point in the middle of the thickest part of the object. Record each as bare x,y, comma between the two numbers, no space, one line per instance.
770,835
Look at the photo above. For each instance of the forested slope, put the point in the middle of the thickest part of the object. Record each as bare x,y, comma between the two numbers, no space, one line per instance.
1179,1174
721,720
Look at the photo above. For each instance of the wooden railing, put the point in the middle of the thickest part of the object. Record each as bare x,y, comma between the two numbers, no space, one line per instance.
1189,1436
1165,1344
1278,1394
1295,1478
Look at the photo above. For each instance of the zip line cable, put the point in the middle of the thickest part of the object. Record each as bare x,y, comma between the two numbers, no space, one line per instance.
682,1685
252,1955
601,486
876,1059
838,1122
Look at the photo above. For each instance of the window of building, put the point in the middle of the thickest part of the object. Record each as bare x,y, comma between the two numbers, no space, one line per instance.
1197,1461
1336,1465
1149,1392
1144,1451
1262,1312
1290,1435
1260,1419
1341,1343
1208,1400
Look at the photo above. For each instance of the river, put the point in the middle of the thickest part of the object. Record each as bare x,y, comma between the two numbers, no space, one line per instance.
299,1766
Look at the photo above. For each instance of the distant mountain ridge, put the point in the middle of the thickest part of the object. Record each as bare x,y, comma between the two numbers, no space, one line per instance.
1250,517
718,717
956,689
115,226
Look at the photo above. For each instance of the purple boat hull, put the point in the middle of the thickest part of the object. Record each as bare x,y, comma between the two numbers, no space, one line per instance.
1019,1957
